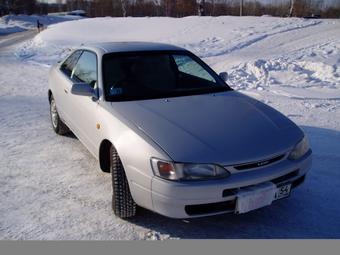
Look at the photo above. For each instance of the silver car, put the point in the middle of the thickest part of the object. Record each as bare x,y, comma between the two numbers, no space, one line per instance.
175,137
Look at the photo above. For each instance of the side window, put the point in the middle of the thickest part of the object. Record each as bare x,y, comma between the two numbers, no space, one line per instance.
86,69
187,65
70,63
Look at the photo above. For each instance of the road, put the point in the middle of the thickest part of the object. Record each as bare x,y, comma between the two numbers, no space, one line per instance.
10,40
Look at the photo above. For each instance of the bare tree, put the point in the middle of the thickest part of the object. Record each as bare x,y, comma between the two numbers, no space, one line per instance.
212,7
156,3
59,3
201,8
185,7
20,6
124,5
177,8
291,8
168,7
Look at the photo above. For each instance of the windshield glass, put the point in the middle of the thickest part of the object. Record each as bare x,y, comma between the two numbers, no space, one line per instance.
148,75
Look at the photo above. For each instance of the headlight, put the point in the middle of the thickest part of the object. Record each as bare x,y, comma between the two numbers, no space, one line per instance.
300,149
183,171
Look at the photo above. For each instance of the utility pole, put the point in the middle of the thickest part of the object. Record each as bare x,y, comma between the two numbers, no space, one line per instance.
241,7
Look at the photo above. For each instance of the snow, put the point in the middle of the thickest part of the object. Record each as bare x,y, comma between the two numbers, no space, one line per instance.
52,188
18,23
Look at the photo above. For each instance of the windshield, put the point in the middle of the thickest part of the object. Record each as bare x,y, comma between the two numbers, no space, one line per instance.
148,75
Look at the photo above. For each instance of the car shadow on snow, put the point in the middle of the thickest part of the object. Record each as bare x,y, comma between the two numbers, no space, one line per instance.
312,210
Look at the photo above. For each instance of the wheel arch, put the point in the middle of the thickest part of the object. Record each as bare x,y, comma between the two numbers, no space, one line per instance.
49,93
104,155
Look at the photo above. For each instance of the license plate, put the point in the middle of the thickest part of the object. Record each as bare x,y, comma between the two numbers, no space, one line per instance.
254,197
282,191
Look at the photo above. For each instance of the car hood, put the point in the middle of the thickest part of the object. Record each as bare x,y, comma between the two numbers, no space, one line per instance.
224,128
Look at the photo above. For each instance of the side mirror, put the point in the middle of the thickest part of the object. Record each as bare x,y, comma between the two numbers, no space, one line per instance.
224,76
83,89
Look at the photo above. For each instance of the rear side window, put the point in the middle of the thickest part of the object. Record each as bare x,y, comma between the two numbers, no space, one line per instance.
86,69
70,63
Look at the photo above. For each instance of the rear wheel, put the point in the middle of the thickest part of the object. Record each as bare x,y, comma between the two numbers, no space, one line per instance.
58,125
122,201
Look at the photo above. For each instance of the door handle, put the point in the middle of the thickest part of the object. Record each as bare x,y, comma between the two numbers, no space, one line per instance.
66,91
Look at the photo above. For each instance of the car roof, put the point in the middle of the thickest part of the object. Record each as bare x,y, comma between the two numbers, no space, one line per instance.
112,47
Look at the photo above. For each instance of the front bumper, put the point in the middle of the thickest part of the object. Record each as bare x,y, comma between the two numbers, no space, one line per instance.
211,197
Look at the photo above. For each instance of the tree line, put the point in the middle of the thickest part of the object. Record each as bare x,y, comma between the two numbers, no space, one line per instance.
175,8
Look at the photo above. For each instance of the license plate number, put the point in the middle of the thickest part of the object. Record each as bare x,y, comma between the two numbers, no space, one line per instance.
282,191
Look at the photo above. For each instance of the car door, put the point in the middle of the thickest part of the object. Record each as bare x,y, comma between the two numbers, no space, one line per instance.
83,108
62,84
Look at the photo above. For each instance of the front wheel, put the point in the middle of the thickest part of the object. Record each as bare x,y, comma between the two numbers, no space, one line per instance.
122,201
58,125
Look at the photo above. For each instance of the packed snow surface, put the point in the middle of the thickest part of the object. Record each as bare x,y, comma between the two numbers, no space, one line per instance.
18,23
52,188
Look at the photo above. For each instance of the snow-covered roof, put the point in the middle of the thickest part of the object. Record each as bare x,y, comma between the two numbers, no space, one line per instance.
78,11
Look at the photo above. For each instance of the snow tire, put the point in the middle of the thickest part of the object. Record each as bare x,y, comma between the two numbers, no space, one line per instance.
122,201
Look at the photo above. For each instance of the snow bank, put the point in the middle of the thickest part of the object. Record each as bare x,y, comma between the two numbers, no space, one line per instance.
220,35
252,49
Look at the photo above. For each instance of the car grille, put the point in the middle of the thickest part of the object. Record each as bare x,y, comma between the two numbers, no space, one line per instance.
259,163
210,208
278,180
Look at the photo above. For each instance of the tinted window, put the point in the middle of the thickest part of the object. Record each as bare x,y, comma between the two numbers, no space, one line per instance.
147,75
86,68
70,63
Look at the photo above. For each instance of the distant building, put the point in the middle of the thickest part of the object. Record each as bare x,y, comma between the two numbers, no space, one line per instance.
80,13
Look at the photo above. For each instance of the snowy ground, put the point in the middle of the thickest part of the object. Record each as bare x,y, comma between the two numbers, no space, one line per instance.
52,188
18,23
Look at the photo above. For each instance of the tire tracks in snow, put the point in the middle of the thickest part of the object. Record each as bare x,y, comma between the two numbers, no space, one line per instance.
241,45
